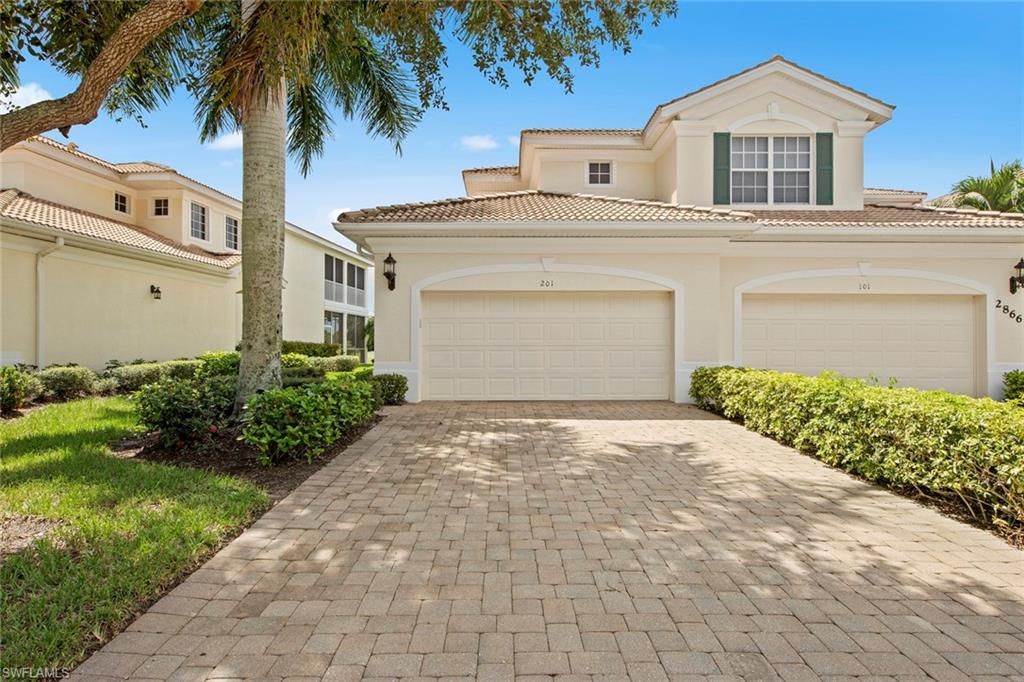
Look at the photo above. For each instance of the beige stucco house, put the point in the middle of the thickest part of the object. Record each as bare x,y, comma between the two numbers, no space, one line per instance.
733,227
106,261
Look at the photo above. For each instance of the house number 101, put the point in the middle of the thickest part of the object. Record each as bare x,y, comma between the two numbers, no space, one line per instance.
547,282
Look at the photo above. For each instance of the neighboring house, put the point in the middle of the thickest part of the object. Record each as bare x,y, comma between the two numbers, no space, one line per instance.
106,261
732,228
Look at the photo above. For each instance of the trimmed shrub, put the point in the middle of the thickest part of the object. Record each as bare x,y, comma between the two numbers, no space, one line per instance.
134,377
392,388
218,363
64,383
297,376
1013,385
295,360
15,389
303,420
181,369
106,386
338,363
966,450
310,348
185,409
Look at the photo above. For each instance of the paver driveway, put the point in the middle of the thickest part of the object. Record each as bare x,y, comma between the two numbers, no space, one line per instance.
649,540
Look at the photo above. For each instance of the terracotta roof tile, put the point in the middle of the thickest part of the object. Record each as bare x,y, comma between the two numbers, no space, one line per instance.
534,205
891,216
18,205
494,170
608,132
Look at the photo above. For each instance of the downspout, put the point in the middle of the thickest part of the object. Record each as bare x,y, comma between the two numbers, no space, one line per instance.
39,297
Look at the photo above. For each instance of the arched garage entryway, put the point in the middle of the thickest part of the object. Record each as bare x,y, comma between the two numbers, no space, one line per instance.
547,331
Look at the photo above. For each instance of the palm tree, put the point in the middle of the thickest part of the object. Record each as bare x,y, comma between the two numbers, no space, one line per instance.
1002,190
273,72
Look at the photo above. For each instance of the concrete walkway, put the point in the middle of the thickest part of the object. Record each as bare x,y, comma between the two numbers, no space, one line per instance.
643,541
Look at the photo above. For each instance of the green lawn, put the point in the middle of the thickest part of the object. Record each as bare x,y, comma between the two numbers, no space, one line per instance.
129,529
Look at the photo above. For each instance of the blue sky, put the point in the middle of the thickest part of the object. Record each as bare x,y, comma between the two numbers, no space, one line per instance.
952,69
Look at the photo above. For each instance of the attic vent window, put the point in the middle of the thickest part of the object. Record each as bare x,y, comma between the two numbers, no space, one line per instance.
161,207
120,202
599,173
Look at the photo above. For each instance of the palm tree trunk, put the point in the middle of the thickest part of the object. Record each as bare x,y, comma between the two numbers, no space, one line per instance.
263,197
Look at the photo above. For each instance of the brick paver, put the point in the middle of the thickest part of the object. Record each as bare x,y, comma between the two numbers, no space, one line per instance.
592,541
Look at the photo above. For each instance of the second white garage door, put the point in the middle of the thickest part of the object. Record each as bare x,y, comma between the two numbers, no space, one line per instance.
546,346
921,341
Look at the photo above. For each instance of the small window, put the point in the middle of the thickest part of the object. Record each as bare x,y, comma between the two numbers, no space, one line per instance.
199,224
161,207
231,232
781,176
120,202
599,173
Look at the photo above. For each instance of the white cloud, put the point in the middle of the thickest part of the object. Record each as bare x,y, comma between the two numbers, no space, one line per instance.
27,94
226,141
478,143
513,140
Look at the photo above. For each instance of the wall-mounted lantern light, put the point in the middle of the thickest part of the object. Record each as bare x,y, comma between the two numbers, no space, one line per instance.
154,291
1017,281
389,271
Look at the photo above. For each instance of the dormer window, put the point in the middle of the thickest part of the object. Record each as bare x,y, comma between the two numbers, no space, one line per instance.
599,173
780,177
161,208
120,202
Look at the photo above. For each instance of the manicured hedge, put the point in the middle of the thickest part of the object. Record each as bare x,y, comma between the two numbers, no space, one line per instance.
67,382
392,388
134,377
1013,385
338,363
303,420
966,450
17,388
186,409
310,348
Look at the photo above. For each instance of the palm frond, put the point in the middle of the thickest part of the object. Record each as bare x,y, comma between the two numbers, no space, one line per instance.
309,122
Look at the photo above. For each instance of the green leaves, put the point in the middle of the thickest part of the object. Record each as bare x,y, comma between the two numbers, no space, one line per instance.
303,420
967,450
1003,190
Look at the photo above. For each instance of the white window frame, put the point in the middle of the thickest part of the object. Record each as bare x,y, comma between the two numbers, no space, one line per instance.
238,233
771,173
154,214
612,173
127,203
206,221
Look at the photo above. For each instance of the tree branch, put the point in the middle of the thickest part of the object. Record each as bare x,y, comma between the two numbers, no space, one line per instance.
82,105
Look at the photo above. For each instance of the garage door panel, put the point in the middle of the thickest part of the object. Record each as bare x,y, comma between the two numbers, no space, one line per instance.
550,345
923,341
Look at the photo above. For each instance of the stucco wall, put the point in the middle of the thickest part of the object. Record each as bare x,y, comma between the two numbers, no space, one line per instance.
303,295
709,275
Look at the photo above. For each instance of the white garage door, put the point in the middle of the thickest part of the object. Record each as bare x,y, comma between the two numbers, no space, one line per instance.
546,346
921,341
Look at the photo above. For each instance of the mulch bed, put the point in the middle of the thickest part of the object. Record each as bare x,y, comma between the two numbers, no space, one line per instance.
223,453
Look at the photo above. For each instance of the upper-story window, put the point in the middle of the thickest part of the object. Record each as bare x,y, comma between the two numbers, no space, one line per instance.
334,279
356,285
599,173
199,222
783,174
120,202
161,207
231,232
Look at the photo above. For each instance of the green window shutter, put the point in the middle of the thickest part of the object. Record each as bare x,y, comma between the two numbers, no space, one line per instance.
721,191
823,179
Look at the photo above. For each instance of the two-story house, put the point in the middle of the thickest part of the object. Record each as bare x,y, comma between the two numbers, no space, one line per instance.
106,261
733,227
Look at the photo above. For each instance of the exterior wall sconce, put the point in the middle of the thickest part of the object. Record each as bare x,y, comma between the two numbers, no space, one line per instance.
154,291
1017,281
390,276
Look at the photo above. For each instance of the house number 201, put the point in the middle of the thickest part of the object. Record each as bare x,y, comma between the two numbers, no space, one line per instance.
1007,310
547,282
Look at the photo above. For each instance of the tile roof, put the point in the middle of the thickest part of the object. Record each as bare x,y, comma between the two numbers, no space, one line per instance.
888,190
18,205
891,216
537,206
609,132
494,170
